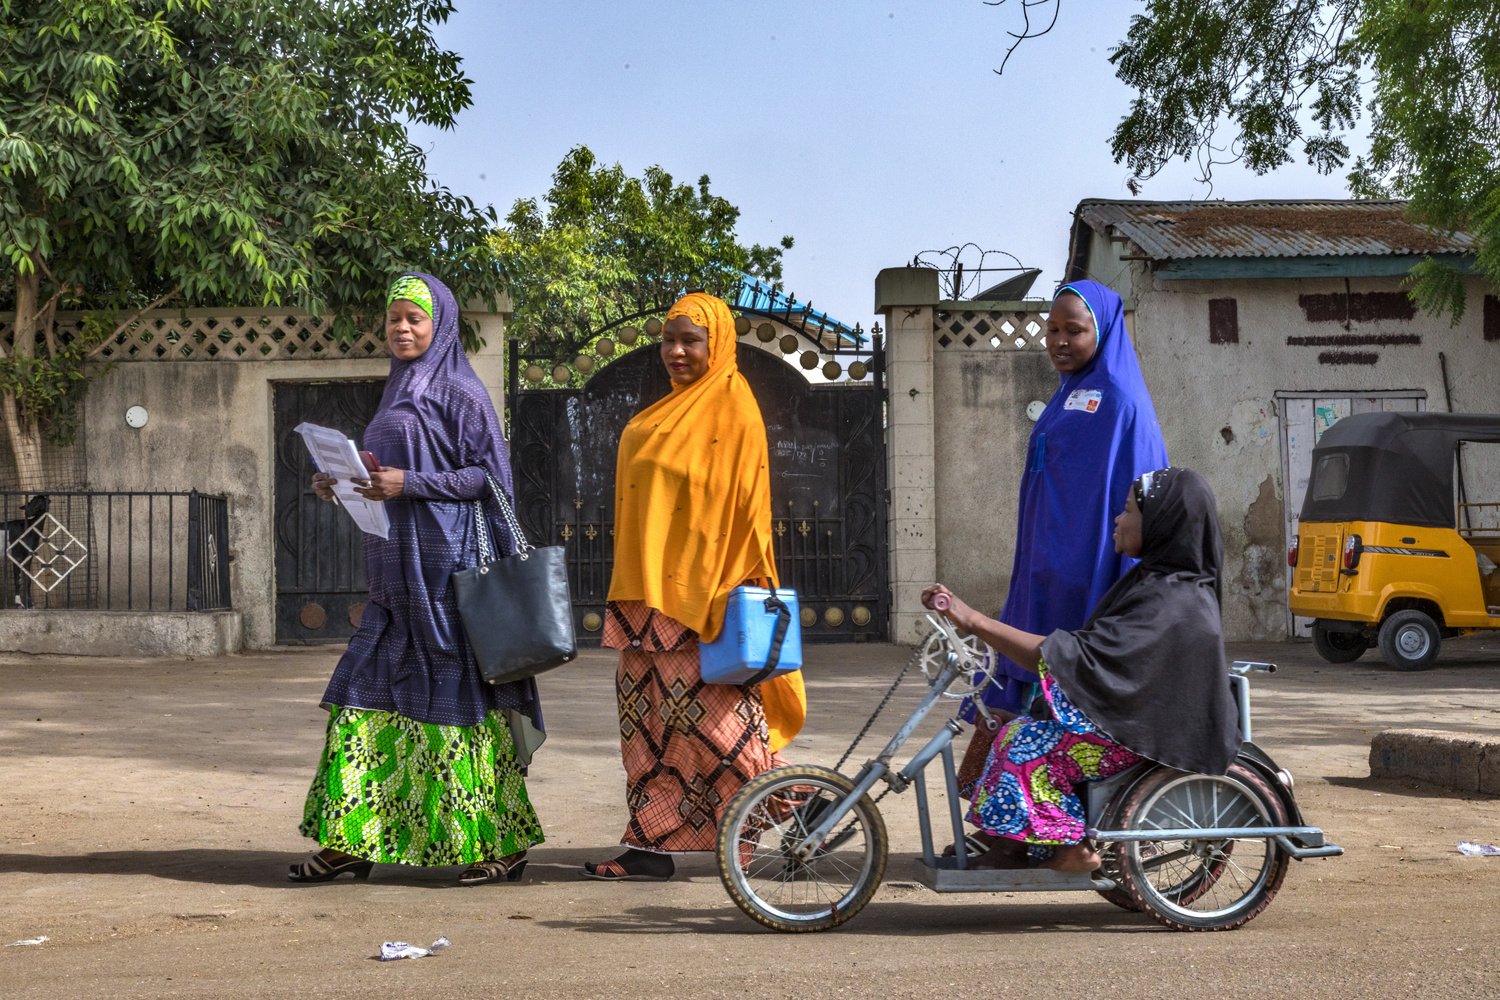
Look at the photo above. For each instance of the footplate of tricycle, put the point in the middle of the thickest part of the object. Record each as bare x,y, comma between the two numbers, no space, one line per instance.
944,875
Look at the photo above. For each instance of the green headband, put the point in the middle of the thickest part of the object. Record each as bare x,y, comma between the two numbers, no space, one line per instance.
412,289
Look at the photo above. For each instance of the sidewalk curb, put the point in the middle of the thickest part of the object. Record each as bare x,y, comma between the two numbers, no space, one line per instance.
1460,761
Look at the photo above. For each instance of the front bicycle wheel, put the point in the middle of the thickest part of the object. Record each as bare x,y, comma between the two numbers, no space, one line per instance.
763,867
1203,883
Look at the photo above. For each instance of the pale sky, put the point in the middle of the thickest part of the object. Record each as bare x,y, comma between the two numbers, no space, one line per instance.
869,131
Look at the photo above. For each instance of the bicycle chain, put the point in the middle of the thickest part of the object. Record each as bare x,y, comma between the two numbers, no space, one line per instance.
890,692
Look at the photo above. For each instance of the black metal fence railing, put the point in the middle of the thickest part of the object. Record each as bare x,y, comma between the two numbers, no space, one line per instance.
114,551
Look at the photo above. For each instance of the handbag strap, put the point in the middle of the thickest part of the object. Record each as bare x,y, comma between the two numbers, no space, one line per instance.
783,622
481,524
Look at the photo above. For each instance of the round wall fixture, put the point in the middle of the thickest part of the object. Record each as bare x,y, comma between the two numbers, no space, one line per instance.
136,417
1034,410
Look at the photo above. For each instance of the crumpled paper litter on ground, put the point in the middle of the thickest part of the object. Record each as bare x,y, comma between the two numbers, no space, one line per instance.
25,941
392,950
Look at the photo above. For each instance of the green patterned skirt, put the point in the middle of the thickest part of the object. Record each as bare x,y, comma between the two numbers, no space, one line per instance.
397,791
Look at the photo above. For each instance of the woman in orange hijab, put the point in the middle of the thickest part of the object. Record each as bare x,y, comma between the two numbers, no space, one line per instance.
692,522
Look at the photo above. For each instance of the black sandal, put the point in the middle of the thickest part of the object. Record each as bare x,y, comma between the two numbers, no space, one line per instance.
632,866
507,869
975,844
327,865
1004,854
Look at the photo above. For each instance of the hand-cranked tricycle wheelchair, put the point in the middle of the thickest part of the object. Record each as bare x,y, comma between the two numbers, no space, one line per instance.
803,848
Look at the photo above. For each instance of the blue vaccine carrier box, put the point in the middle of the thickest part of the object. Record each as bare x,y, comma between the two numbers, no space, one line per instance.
740,654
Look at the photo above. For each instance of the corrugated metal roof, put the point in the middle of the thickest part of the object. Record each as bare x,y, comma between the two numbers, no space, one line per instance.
1178,230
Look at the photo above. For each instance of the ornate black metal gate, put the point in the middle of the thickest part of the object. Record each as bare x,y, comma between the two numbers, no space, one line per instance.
827,472
320,560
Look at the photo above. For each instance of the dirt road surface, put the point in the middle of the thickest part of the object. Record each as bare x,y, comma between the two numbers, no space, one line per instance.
148,812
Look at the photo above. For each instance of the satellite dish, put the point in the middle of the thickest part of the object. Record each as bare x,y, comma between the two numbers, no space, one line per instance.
1012,288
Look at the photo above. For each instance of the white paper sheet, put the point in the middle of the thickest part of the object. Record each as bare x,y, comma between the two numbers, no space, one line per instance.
336,455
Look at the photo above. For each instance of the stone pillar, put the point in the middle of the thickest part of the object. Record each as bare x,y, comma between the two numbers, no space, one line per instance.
489,361
907,297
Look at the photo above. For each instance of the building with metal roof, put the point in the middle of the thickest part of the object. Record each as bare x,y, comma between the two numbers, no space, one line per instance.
1260,324
1254,239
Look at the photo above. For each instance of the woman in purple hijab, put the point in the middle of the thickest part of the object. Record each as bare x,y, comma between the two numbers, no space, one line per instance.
424,762
1097,434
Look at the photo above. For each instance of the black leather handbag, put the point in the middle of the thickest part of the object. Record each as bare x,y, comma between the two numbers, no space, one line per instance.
517,610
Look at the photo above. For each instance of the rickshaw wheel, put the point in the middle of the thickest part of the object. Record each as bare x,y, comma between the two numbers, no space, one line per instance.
1200,884
765,821
1409,640
1338,647
1109,867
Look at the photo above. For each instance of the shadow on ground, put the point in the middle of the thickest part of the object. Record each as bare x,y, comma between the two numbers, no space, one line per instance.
879,919
213,866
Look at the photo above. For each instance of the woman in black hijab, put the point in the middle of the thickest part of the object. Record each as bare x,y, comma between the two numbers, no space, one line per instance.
1144,678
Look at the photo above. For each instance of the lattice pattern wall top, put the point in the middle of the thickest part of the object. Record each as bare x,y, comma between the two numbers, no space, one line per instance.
236,337
990,329
204,335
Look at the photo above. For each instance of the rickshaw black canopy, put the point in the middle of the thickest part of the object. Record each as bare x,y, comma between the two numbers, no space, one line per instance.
1395,467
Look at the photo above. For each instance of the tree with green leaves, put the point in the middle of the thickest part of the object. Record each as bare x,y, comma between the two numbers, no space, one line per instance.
608,244
214,152
1264,81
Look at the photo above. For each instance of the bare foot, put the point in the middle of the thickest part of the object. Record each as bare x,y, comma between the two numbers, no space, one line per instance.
1073,858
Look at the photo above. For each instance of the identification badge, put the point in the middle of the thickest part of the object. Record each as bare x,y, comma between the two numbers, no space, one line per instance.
1086,400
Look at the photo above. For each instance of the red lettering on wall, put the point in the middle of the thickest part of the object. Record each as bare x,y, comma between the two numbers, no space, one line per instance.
1357,307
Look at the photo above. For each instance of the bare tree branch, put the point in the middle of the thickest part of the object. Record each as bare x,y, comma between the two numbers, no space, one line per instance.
1027,30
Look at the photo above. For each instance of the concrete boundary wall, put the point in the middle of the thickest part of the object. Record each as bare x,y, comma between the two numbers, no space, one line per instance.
122,633
210,428
959,378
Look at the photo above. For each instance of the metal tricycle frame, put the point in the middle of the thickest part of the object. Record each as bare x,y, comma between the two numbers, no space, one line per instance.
1136,846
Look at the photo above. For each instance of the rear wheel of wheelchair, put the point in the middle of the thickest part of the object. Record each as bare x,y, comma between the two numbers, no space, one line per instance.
1200,883
1409,640
760,836
1338,647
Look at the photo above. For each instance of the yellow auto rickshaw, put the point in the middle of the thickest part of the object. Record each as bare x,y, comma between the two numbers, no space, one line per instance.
1387,553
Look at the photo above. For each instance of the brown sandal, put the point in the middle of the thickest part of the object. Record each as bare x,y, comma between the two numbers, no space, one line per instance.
507,869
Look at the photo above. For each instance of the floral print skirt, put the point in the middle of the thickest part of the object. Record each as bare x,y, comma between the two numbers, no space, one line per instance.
1029,788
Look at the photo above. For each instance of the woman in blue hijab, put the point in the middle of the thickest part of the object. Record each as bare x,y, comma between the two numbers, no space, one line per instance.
424,763
1098,433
